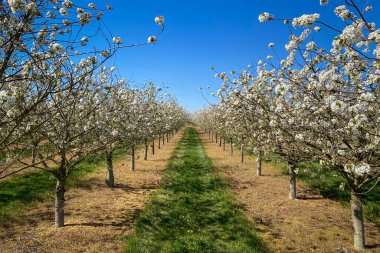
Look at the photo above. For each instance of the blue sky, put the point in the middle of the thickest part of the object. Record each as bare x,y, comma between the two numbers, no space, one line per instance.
200,34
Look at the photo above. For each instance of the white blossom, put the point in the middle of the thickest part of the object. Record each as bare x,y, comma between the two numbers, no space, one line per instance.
152,39
305,20
359,169
117,40
92,6
159,20
265,17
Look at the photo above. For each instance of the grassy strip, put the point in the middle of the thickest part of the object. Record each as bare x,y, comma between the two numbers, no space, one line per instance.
194,210
327,183
37,186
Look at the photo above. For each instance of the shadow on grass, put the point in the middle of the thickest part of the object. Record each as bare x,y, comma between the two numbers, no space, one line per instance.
327,183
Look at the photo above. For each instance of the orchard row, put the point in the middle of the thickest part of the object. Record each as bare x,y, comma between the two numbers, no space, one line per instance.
60,102
317,104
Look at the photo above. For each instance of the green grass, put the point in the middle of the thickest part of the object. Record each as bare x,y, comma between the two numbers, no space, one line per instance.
37,186
25,152
194,209
20,152
327,183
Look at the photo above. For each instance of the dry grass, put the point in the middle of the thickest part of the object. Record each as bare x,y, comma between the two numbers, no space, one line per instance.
310,224
97,217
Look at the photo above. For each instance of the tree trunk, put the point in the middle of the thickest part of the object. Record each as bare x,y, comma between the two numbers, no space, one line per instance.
146,150
358,221
153,147
167,137
163,139
259,162
220,141
231,147
34,153
132,157
216,138
241,152
110,179
159,142
224,144
60,203
292,182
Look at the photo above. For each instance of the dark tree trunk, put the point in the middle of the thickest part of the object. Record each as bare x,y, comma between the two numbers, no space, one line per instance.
159,142
167,137
110,179
60,203
146,150
133,157
358,221
220,142
292,182
231,147
224,144
153,147
216,138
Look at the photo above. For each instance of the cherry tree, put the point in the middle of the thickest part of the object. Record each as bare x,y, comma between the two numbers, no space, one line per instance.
34,37
335,94
69,128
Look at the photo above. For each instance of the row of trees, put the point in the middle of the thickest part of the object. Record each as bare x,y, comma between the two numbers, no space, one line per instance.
317,104
59,100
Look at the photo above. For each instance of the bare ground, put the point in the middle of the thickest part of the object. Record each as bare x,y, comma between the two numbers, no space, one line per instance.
310,224
97,217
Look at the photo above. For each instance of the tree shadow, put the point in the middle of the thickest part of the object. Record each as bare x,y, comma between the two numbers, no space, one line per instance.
91,184
129,188
373,246
98,224
305,197
127,220
308,194
147,170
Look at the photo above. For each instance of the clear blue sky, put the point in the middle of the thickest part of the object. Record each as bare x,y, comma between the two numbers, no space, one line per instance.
200,34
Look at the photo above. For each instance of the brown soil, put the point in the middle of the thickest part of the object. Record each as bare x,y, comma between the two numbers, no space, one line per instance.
97,217
310,224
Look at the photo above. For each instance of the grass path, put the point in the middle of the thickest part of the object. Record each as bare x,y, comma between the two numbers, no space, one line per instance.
194,209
